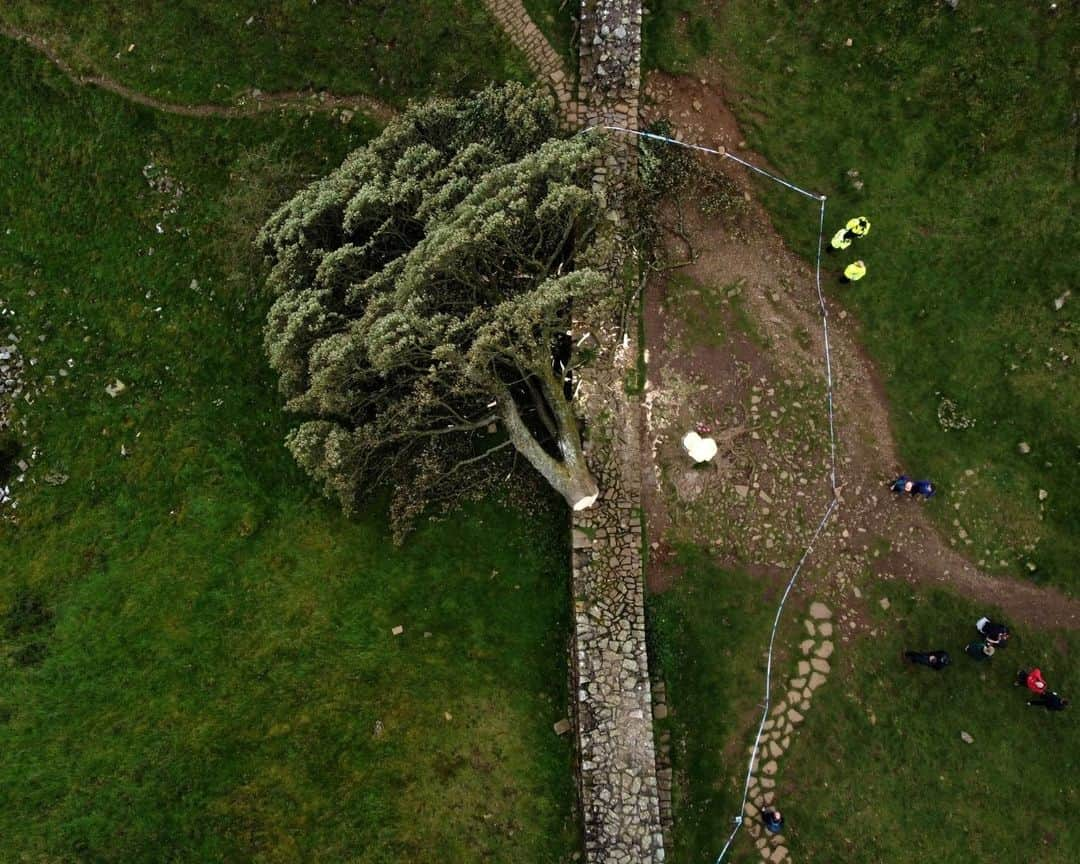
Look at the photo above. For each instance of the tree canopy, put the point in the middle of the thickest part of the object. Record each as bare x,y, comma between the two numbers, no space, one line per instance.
423,292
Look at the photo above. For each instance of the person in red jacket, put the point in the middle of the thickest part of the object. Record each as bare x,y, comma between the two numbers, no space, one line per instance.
1033,680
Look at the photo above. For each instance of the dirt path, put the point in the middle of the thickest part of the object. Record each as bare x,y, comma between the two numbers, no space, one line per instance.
735,345
249,104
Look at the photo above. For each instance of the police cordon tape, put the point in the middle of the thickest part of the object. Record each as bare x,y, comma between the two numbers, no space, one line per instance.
835,500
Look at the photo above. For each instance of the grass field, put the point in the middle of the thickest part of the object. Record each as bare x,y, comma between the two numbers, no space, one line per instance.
955,134
199,664
193,51
902,786
557,20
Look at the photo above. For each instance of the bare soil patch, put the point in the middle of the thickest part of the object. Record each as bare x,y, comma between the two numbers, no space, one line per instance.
757,385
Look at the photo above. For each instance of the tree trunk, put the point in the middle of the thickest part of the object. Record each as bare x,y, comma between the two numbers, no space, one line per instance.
570,477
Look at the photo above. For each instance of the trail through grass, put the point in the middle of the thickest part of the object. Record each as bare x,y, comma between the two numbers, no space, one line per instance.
878,772
199,658
955,133
194,51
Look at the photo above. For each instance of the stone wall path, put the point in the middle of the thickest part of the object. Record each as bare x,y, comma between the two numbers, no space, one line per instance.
544,60
613,701
782,726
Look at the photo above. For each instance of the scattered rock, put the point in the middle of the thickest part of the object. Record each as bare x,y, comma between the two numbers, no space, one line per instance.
1043,494
397,631
116,388
819,611
966,738
884,603
1024,447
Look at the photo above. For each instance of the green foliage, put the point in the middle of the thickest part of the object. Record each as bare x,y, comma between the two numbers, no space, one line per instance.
214,51
878,772
954,132
219,652
423,280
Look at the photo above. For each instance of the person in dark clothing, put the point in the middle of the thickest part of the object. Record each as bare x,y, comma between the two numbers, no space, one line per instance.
903,483
773,819
936,660
979,650
993,632
1050,701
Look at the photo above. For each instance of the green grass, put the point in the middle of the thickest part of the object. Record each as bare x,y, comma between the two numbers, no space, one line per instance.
708,632
199,663
557,20
907,788
903,788
192,51
961,128
675,34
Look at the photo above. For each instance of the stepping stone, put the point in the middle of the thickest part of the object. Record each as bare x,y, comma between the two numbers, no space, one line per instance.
767,783
775,750
820,665
809,625
816,680
804,705
779,709
807,692
819,611
750,810
761,843
794,716
794,696
779,854
806,646
770,768
786,742
797,683
824,628
825,651
804,668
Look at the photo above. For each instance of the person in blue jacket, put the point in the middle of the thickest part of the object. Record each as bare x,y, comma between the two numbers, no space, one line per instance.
913,488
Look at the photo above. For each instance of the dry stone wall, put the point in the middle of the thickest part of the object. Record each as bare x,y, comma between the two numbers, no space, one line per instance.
613,701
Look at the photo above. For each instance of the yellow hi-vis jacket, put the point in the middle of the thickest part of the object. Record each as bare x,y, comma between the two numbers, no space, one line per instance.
840,240
859,226
855,271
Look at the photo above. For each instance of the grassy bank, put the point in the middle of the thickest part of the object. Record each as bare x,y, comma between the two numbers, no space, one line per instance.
954,133
199,663
878,772
210,52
